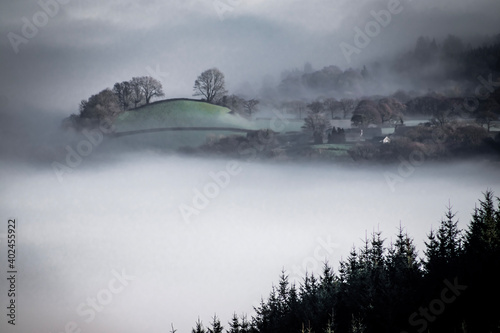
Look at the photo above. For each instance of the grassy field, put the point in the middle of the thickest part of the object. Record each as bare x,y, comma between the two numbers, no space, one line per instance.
177,113
334,149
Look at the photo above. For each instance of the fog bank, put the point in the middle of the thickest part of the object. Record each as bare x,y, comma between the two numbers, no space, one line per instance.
121,217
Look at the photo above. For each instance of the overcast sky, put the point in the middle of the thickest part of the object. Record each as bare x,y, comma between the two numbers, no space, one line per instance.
86,46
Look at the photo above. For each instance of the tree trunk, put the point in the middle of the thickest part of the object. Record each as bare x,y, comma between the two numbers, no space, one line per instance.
318,138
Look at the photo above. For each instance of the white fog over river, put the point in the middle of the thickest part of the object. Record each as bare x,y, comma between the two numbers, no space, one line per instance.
110,238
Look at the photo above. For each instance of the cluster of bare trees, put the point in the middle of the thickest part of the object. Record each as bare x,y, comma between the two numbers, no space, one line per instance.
318,113
364,113
443,110
338,109
125,95
211,86
141,90
376,112
138,91
239,105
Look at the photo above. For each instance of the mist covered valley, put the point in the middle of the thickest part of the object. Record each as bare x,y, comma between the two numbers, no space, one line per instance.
122,212
342,175
133,233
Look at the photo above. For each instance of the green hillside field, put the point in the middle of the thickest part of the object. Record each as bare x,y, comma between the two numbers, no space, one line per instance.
177,113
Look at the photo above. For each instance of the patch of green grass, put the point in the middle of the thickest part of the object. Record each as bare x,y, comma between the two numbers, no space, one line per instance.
178,113
333,146
333,149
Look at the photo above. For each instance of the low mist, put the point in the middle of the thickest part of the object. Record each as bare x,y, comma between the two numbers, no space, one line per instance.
120,215
149,231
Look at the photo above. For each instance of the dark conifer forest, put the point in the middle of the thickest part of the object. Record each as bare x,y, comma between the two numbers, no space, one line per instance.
389,287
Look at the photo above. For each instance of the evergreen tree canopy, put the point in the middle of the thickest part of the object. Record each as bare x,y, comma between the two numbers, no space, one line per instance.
382,288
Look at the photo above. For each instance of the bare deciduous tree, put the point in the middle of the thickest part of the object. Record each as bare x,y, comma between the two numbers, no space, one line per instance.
145,88
316,107
487,117
317,124
445,112
331,105
150,88
250,106
136,95
348,105
123,91
366,113
391,110
211,85
233,102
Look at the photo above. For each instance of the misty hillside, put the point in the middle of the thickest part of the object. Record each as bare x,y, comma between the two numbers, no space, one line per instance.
178,113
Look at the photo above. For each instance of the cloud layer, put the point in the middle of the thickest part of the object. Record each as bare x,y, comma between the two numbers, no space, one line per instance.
88,45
